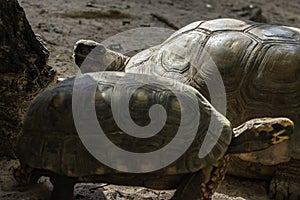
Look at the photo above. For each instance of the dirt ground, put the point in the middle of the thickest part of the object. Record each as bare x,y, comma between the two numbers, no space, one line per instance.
62,22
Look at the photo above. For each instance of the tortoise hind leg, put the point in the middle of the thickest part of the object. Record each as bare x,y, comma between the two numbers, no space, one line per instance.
26,175
63,187
285,184
202,184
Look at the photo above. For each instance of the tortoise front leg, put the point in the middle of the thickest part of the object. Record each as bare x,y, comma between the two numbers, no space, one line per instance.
26,175
202,184
285,184
63,187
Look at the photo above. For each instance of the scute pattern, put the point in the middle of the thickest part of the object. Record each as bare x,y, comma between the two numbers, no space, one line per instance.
259,64
225,24
274,34
280,74
227,51
53,143
176,55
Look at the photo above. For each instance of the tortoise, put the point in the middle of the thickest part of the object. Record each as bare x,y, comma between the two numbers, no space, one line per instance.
259,65
50,143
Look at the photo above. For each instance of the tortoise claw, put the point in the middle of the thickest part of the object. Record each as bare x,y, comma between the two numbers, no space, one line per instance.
26,175
286,183
22,175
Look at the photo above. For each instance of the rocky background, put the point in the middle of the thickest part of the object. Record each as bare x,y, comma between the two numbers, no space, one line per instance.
60,23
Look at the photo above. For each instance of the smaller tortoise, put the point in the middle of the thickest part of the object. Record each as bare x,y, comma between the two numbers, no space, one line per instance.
50,144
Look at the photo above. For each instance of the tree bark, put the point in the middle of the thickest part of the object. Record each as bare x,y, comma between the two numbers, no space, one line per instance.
23,71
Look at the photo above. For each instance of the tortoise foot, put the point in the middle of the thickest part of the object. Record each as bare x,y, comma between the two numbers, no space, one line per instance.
283,189
202,184
26,175
286,183
63,187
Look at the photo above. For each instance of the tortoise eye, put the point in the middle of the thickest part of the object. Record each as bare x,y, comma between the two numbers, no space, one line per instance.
277,127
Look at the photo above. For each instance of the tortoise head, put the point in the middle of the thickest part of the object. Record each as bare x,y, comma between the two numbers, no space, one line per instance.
96,57
259,134
83,48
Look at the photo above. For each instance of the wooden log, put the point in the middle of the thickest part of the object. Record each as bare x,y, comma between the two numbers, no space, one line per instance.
23,71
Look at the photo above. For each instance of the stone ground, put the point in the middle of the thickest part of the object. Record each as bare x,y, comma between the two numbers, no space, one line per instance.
62,22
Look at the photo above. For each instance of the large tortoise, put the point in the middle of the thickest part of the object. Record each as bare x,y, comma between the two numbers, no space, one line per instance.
51,142
260,68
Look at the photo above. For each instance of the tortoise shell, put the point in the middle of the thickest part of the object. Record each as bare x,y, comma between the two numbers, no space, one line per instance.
55,145
259,65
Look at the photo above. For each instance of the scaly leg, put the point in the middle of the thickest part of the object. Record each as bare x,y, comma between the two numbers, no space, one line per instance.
285,185
26,175
201,185
63,187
